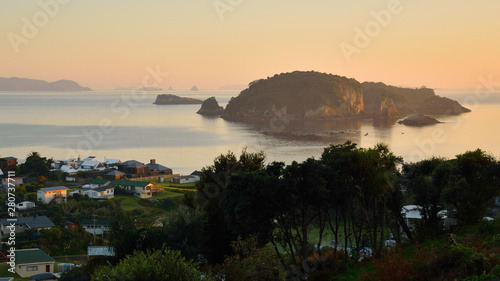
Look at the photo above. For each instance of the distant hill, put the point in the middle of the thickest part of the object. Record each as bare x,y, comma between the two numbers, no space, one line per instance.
319,96
194,88
167,99
24,84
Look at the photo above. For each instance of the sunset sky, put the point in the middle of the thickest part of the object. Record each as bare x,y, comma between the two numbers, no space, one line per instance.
109,44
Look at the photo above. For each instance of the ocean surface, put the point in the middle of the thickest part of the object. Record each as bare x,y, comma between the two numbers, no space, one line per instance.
126,125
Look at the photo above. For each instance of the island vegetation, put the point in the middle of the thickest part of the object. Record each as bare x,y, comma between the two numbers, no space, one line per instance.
312,95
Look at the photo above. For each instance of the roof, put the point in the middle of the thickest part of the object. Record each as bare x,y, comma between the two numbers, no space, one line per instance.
1,173
100,251
115,173
111,161
99,181
102,188
8,158
31,256
19,200
88,158
131,183
90,163
6,278
136,165
130,162
411,212
157,167
196,173
67,169
32,222
55,188
104,222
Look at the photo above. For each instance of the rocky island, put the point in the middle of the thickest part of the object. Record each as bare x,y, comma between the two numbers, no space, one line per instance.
194,89
24,84
167,99
210,107
418,120
319,96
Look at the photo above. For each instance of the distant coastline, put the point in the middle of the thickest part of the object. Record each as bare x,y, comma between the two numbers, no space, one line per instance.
23,84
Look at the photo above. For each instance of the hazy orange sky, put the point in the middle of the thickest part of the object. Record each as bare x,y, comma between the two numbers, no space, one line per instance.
108,44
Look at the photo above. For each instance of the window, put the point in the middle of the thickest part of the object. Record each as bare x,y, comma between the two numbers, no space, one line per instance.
32,268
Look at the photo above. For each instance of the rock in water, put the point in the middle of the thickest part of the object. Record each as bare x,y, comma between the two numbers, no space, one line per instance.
210,107
194,88
418,120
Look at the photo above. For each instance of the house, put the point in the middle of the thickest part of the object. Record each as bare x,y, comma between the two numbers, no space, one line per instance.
14,182
99,251
8,163
96,226
30,262
6,278
21,224
184,179
23,204
102,192
70,225
197,174
46,195
411,213
158,169
140,189
94,183
114,175
108,162
68,169
133,169
90,166
70,162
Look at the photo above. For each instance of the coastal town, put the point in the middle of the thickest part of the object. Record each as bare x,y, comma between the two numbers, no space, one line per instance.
50,198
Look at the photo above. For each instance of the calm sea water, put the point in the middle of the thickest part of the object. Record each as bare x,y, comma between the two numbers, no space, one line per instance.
122,125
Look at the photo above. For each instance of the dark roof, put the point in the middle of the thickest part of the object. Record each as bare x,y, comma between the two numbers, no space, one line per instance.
6,278
115,173
99,181
102,188
130,163
196,173
157,167
43,276
32,222
8,158
104,222
131,183
32,255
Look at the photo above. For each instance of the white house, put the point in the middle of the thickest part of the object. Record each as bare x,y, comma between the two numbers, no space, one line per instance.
109,162
68,169
90,165
102,192
97,251
46,195
197,174
95,183
184,179
23,204
411,214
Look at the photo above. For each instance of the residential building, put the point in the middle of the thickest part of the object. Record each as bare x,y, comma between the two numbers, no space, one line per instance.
197,174
30,262
133,169
140,189
184,179
8,164
96,226
108,162
14,182
114,175
157,169
91,165
58,193
94,183
100,251
23,204
102,192
23,223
